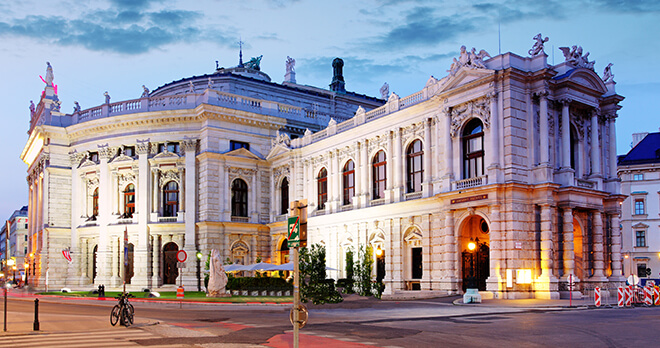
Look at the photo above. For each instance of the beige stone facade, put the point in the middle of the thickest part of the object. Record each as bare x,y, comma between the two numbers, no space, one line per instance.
510,153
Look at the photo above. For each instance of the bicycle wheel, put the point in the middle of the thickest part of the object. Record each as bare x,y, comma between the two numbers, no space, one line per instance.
114,315
127,317
130,306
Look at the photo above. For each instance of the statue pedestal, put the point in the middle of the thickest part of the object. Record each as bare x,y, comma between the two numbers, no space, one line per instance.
472,296
222,293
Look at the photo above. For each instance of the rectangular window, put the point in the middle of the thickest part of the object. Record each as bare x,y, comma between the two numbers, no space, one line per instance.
129,151
235,145
26,237
94,156
173,147
638,177
639,207
641,270
640,239
161,148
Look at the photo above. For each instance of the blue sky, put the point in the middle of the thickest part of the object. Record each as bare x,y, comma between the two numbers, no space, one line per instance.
119,45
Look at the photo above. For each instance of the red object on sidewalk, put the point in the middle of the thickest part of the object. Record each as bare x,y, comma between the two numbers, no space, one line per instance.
179,292
621,296
597,296
648,295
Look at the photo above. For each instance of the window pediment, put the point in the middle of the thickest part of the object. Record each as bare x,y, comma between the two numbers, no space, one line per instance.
640,225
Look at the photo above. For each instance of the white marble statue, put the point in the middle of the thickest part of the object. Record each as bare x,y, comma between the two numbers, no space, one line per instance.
76,107
107,97
145,91
49,75
191,87
538,45
210,83
385,91
471,60
607,74
574,57
290,65
477,59
217,276
464,58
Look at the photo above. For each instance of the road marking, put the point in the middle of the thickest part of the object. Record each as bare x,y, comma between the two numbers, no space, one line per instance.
93,338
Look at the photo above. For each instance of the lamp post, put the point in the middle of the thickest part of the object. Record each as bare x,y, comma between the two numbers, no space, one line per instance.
472,246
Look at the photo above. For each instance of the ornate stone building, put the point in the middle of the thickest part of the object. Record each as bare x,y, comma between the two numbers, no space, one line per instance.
510,153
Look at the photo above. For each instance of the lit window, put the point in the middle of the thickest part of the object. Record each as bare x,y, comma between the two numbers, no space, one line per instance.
379,167
473,149
638,177
639,207
170,199
239,198
95,202
129,201
640,239
348,176
414,166
322,184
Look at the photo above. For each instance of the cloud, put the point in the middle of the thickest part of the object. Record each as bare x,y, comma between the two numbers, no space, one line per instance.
632,6
127,32
134,4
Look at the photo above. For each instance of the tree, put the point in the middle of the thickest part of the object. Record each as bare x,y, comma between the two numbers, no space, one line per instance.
362,283
314,286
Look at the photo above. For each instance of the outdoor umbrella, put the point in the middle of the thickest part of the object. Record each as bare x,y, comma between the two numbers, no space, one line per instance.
235,268
261,266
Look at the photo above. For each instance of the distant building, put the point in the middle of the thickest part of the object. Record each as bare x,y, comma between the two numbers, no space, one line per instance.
639,171
18,240
511,155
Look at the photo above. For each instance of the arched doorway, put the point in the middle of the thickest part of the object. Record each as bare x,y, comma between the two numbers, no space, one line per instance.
95,251
578,249
475,258
129,266
170,271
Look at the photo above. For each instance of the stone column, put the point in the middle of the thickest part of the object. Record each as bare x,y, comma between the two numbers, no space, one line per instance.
155,261
426,255
617,274
493,152
612,155
427,163
495,280
365,170
543,128
448,176
116,266
396,251
155,174
140,253
595,143
389,169
565,134
599,263
450,256
569,252
336,178
75,215
104,253
358,173
252,192
546,242
398,167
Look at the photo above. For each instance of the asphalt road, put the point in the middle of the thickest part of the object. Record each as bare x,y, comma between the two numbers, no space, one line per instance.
429,323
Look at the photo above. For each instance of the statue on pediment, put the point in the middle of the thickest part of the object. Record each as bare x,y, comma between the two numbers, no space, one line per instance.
145,92
538,45
470,60
281,139
575,58
385,91
107,97
607,74
290,65
49,75
32,107
254,62
76,107
191,87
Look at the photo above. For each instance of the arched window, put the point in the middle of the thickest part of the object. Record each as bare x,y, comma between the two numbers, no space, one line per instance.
239,198
473,149
95,202
349,182
129,201
414,166
379,166
170,199
322,182
284,196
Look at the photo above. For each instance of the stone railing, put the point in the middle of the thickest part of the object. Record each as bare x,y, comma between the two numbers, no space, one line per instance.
470,182
167,219
240,219
346,207
413,195
377,202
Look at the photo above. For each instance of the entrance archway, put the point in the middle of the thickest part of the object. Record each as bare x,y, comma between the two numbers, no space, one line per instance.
475,254
170,271
578,249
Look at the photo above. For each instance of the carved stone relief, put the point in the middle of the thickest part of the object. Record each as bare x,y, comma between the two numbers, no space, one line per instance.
476,108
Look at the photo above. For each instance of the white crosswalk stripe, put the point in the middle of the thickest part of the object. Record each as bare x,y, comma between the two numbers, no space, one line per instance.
92,338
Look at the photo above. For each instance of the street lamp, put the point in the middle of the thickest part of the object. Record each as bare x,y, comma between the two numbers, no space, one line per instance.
27,267
472,246
12,263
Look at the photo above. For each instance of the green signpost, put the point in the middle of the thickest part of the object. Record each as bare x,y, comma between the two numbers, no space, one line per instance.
294,232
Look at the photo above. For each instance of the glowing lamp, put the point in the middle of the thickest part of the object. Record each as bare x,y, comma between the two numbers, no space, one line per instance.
472,246
379,251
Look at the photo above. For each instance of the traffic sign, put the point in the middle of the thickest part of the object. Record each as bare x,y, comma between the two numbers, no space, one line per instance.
181,256
303,315
293,232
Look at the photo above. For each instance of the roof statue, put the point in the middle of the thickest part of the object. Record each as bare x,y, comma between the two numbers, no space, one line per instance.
607,74
145,91
385,91
470,60
575,58
191,87
290,75
49,75
281,139
210,83
32,107
538,45
107,97
76,107
254,62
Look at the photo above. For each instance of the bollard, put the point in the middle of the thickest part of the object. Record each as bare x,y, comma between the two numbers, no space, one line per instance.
36,315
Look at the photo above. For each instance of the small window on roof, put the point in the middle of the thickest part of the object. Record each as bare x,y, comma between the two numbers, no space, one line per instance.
235,145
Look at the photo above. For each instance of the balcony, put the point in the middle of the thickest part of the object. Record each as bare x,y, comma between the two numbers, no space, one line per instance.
470,182
240,219
413,195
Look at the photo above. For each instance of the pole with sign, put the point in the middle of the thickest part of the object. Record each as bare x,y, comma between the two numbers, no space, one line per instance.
297,237
125,256
181,256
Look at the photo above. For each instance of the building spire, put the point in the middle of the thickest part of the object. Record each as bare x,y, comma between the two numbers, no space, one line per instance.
240,53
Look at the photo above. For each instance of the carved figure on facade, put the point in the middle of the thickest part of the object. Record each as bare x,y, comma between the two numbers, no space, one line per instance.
607,74
209,83
32,108
188,146
575,58
191,87
76,107
49,75
538,45
470,60
92,182
290,65
142,146
254,62
385,91
145,92
165,176
107,97
242,173
281,171
412,131
125,178
477,108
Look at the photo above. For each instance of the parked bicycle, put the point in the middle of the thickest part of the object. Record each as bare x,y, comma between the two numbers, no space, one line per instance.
123,311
